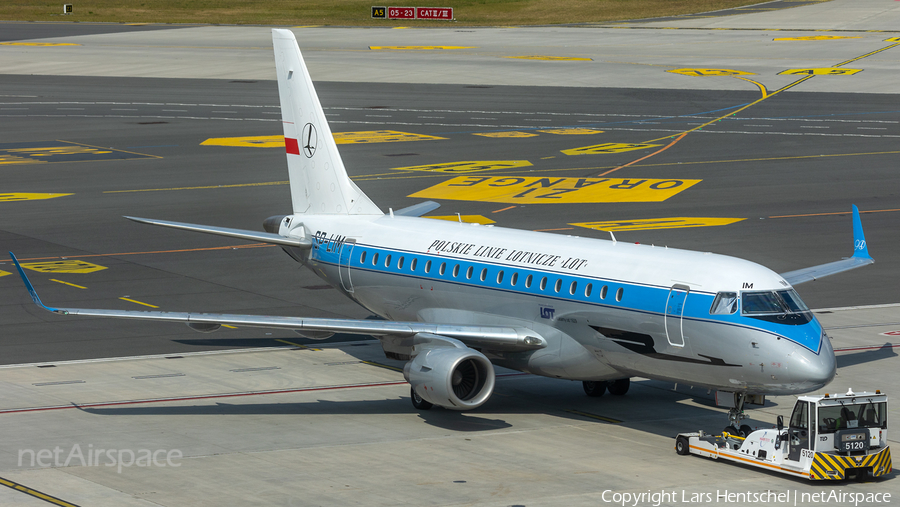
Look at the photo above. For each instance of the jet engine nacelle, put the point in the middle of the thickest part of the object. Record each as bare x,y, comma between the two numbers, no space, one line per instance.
454,378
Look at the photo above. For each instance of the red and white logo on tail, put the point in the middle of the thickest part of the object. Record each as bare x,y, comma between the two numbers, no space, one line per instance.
319,182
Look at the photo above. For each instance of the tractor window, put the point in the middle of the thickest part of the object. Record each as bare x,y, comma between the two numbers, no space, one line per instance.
841,417
800,417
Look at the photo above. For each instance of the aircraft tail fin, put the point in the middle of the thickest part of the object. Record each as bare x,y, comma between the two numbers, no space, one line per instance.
319,181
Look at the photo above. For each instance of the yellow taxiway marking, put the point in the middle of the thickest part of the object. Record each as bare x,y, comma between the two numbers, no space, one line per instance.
35,493
22,196
42,44
506,134
710,72
892,39
818,37
550,58
469,219
608,148
469,166
571,132
536,190
138,302
822,71
288,342
418,48
66,266
12,159
369,136
646,224
4,273
67,283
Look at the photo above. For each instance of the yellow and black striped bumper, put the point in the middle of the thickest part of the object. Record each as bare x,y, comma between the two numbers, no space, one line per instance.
833,467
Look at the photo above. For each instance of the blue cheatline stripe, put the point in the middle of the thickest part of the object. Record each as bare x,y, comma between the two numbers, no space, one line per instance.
639,298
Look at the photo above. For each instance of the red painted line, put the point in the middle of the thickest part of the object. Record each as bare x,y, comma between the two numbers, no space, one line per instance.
871,347
291,146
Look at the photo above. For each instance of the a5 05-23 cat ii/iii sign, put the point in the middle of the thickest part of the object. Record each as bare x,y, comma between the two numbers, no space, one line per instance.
444,13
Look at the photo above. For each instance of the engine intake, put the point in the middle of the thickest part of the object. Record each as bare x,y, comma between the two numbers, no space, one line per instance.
454,378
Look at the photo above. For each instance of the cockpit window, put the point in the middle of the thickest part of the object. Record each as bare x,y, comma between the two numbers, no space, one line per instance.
772,303
724,304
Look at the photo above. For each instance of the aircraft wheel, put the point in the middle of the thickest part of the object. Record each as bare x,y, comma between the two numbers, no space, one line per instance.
593,389
619,387
418,402
682,447
745,430
731,430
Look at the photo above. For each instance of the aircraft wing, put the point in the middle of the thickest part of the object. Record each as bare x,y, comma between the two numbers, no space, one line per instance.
859,259
263,237
493,337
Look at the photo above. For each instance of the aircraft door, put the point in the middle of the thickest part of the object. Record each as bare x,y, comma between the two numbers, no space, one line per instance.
675,313
344,265
798,431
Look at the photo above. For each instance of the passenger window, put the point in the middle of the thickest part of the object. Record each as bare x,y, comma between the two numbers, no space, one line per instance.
514,279
469,273
558,285
443,268
428,266
412,265
603,292
484,274
362,258
528,282
400,263
573,287
387,262
619,294
543,283
500,277
724,304
455,271
375,260
588,289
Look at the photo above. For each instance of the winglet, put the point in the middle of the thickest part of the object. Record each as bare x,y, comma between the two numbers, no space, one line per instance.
34,296
860,249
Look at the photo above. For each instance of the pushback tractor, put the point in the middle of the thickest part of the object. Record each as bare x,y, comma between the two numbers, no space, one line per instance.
829,437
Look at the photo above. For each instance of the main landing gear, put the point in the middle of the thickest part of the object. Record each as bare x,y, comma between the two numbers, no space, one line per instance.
597,388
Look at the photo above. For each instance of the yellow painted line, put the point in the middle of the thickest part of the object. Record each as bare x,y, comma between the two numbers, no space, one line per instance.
468,219
710,72
506,134
817,37
762,87
229,327
41,44
646,224
821,71
67,283
835,213
550,58
247,141
571,132
417,48
12,159
536,190
594,416
138,302
4,273
296,344
607,148
35,493
64,266
872,53
22,196
469,166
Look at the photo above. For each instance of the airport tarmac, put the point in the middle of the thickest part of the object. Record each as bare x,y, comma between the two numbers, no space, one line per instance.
178,122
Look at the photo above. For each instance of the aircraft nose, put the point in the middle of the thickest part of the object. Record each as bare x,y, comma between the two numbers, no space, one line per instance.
814,370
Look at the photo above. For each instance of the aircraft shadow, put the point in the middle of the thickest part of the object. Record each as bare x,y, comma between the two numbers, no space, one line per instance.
867,356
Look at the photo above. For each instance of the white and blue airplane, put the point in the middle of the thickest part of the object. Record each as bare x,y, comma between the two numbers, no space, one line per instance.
459,298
